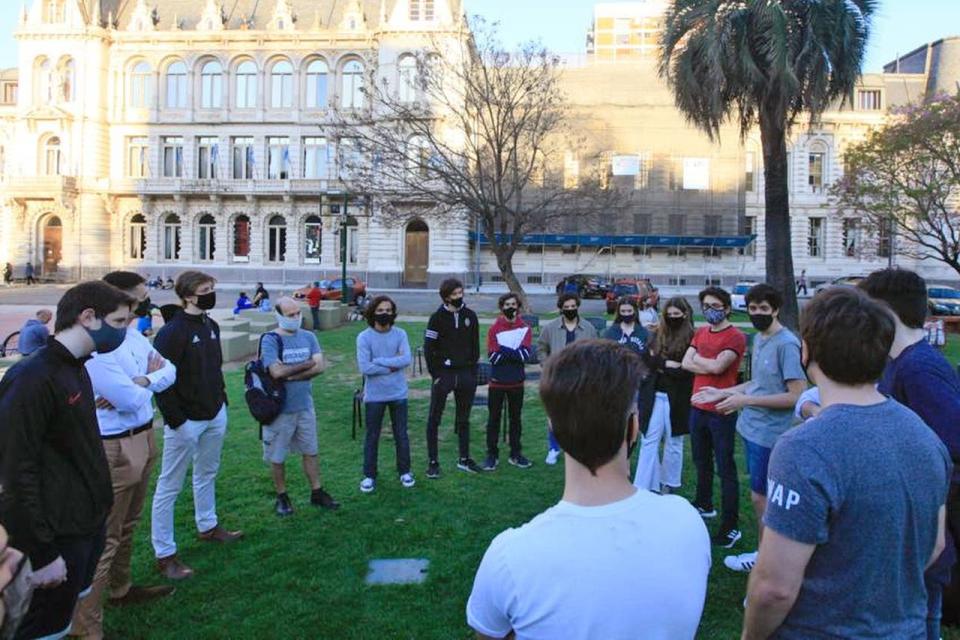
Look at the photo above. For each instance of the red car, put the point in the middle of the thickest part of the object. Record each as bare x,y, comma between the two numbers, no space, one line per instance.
332,290
636,290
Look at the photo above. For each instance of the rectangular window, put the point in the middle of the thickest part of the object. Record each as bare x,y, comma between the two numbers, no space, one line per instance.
711,225
138,240
316,158
642,179
851,237
868,100
749,229
571,170
173,157
642,224
353,245
138,157
696,174
815,238
207,242
208,156
815,175
885,239
349,158
677,224
243,159
278,158
748,176
171,242
241,239
313,241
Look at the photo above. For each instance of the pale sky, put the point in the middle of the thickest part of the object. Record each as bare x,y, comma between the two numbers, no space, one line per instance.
899,27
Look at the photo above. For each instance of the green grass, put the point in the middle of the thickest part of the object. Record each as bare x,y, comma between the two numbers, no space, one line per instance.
303,577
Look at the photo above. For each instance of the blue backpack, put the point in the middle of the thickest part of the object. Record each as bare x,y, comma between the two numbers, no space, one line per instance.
264,395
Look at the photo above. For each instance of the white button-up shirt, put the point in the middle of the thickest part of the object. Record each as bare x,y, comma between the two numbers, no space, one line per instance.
112,376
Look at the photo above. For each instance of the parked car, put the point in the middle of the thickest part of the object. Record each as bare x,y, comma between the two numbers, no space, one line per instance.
943,301
637,290
845,281
738,295
588,286
332,290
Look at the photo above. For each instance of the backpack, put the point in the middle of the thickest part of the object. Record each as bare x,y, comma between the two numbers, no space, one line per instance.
264,395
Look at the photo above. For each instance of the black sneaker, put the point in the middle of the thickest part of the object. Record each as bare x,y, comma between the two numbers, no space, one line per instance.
520,462
705,512
284,508
324,500
468,465
433,470
490,464
727,537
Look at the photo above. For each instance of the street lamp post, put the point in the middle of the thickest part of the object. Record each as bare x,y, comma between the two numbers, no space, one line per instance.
344,218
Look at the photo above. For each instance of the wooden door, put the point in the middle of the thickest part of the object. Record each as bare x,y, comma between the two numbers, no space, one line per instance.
52,247
417,256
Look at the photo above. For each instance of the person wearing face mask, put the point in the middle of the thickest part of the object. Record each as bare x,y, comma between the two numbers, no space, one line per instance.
627,331
451,346
714,358
293,355
194,412
636,563
383,353
765,402
507,377
670,418
56,482
124,382
553,338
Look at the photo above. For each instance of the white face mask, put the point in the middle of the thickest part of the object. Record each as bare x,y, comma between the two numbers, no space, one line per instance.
289,324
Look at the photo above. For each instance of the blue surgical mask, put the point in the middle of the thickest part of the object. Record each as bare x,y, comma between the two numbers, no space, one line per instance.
289,324
715,316
107,338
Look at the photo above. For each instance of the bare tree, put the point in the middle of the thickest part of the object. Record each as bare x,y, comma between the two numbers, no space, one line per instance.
905,177
479,136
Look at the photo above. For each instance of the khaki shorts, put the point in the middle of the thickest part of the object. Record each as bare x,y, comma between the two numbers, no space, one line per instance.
290,433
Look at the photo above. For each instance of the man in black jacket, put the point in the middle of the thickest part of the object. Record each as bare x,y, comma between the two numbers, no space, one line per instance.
55,490
452,347
195,413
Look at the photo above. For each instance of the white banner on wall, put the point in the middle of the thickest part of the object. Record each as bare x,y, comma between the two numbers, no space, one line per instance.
696,174
626,165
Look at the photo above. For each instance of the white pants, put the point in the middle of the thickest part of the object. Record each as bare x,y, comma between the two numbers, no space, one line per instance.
199,442
650,471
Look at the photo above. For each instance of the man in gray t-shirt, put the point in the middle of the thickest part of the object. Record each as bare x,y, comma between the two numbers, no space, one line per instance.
295,429
855,497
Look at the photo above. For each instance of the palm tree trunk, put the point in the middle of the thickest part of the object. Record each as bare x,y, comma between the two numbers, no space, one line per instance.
779,255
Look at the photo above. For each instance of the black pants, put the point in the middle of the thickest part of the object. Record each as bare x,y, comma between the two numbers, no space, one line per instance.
51,609
463,384
398,422
315,315
514,400
713,437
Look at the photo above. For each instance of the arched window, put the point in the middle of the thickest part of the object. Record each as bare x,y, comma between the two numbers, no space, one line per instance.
177,86
171,237
54,11
317,73
276,239
52,157
241,238
281,85
407,88
246,85
211,81
138,237
207,228
42,82
67,79
140,95
351,97
313,239
353,240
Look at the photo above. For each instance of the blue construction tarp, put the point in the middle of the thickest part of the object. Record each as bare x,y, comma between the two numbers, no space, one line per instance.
583,240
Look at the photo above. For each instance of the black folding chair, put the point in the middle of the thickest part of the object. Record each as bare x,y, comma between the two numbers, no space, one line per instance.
357,412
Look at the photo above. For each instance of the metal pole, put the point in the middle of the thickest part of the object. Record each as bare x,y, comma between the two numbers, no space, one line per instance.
476,251
343,251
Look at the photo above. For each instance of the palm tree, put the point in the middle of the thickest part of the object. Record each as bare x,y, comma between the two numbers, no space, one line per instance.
765,62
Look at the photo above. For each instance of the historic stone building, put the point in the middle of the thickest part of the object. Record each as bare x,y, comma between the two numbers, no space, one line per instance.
169,134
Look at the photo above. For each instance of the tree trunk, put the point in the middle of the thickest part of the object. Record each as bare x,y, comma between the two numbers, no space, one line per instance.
779,254
504,255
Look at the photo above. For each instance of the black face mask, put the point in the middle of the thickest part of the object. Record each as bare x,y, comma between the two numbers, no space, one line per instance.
143,309
509,313
629,318
675,322
456,303
761,321
571,314
384,319
207,301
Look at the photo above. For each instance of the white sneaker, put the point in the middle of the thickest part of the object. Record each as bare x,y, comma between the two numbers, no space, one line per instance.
367,485
552,455
407,480
743,563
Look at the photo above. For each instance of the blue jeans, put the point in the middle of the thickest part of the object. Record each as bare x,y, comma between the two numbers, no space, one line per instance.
713,437
398,421
758,461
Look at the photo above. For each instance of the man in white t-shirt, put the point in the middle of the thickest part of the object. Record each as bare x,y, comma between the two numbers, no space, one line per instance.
608,561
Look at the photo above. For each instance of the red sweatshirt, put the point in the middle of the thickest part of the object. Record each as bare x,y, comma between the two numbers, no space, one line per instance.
508,364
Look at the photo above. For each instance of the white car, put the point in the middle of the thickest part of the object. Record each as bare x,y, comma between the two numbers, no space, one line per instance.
738,295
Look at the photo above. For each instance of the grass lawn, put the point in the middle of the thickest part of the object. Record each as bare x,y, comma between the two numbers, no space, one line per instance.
303,577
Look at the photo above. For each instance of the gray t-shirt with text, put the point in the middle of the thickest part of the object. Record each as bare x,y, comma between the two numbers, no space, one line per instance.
773,361
865,485
297,348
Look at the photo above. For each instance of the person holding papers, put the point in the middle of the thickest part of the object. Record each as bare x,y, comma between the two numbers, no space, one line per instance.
508,345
